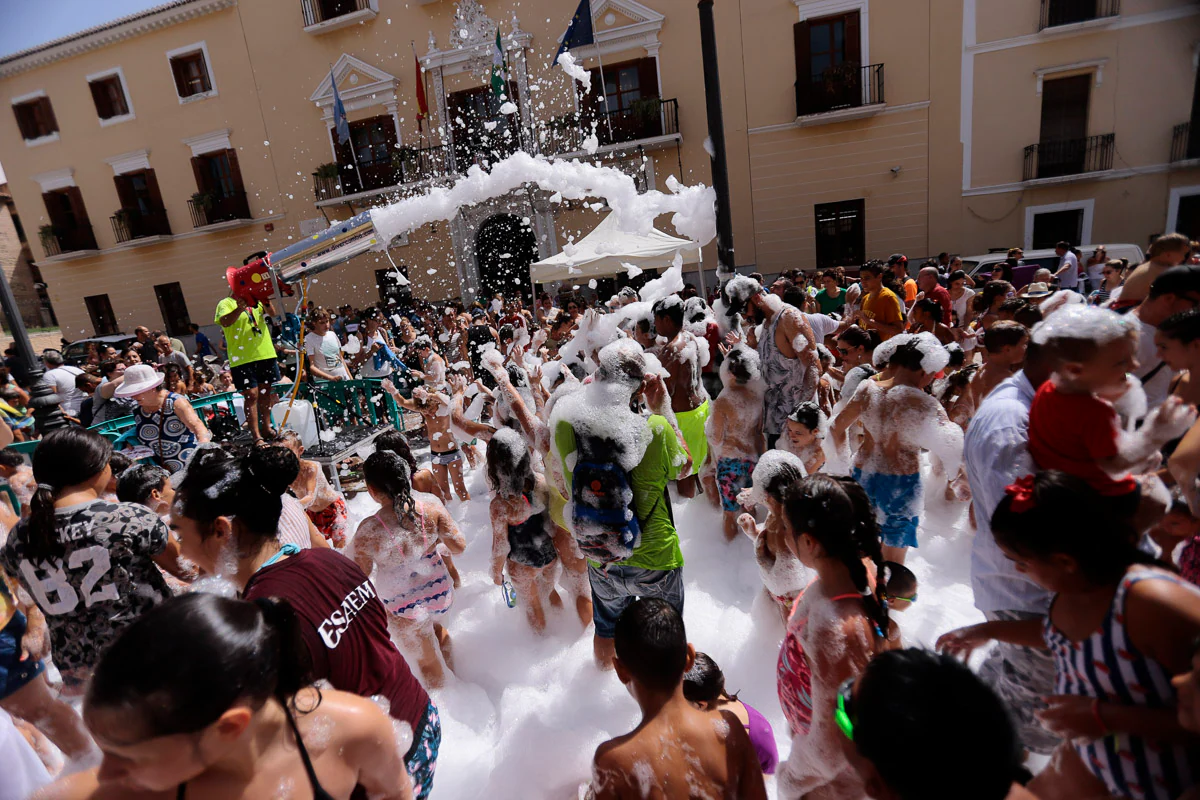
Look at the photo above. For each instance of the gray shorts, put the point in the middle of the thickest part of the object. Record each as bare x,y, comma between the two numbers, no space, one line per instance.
618,586
447,458
1022,676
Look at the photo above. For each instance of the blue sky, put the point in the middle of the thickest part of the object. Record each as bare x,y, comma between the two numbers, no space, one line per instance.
27,23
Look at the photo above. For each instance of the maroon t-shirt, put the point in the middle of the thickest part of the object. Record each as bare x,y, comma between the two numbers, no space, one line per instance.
346,627
943,297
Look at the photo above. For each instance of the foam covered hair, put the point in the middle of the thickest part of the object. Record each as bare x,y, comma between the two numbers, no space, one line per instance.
1083,322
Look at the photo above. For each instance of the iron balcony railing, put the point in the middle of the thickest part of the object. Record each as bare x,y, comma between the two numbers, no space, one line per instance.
644,119
133,223
68,240
409,165
318,11
846,85
211,209
1185,142
1070,12
1069,157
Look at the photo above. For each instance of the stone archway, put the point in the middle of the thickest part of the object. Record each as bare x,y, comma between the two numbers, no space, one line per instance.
505,246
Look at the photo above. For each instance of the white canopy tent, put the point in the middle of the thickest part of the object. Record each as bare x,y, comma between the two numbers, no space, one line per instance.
607,249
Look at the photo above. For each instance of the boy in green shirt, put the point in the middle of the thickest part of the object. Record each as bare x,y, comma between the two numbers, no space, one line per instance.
832,298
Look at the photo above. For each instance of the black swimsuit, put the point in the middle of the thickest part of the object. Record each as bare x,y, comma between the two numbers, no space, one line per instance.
319,792
529,544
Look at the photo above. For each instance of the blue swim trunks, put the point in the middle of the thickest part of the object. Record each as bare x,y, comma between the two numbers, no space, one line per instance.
421,760
733,475
898,500
15,674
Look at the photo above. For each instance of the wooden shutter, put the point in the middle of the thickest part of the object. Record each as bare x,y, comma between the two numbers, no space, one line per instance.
101,98
648,77
200,170
852,40
156,200
49,123
800,36
179,70
25,121
77,207
235,171
125,193
54,209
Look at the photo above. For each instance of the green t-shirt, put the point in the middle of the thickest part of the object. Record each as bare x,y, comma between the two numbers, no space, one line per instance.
829,304
245,346
659,548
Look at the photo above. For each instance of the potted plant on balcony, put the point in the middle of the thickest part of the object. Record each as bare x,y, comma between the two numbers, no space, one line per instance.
329,170
203,200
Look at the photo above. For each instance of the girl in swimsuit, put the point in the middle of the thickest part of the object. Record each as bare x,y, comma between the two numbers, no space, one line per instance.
836,626
210,697
783,576
522,533
403,542
325,507
704,687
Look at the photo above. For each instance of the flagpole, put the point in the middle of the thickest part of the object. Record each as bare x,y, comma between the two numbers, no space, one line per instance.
353,158
603,85
420,116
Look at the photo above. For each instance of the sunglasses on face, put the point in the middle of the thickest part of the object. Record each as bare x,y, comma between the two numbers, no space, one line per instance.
843,715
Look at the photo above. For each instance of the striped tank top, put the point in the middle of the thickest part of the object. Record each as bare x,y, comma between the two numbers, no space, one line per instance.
1107,666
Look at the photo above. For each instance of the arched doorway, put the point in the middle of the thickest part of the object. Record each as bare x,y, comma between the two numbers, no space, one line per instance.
505,246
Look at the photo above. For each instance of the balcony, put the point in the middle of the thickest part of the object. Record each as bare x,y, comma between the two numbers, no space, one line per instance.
59,240
409,165
133,223
210,209
321,16
843,87
1076,12
644,119
1185,145
1069,157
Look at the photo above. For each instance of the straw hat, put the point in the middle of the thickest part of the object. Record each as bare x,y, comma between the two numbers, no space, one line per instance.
1038,290
139,378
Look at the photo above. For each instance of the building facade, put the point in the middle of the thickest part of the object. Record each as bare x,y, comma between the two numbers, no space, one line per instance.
149,154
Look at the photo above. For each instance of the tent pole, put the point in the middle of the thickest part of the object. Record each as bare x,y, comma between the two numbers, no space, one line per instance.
703,289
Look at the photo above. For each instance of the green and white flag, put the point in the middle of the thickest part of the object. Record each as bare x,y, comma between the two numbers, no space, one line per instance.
499,84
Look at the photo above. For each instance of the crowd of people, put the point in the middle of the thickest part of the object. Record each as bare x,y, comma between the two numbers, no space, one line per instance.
209,620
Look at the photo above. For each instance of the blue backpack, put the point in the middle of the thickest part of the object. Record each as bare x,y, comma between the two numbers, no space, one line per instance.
606,524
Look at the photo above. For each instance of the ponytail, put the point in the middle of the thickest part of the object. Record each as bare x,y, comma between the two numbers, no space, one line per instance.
837,513
387,473
64,457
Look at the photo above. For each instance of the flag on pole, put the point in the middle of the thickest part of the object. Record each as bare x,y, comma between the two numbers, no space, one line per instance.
499,87
422,103
579,32
340,123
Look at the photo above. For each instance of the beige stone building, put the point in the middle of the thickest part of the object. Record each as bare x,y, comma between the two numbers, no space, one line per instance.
148,154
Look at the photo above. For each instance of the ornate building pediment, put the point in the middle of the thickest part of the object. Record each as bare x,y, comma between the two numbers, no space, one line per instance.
360,85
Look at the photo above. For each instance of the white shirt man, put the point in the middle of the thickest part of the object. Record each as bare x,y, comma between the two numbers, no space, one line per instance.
1068,267
61,378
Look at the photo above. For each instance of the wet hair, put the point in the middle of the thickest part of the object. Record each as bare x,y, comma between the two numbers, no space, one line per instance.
651,643
422,342
1168,243
901,582
388,474
855,336
394,441
837,513
741,364
704,682
251,489
185,662
781,480
943,707
119,462
10,458
136,483
930,308
517,376
957,275
875,267
1182,327
1012,305
1067,516
795,296
807,414
286,437
1003,334
908,356
1028,315
991,290
64,457
504,332
958,356
509,466
670,308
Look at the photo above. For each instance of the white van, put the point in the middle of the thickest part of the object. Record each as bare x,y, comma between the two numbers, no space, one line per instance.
1033,260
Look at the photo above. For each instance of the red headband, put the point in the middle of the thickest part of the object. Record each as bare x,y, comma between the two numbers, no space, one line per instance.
1021,493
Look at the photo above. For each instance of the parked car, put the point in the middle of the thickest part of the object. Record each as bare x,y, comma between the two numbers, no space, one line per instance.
1033,260
76,353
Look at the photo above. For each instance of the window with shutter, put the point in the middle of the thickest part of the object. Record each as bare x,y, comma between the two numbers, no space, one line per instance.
35,118
828,63
109,96
174,308
841,239
191,74
104,321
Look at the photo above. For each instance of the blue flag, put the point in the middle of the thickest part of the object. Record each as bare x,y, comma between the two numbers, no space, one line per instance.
579,32
340,123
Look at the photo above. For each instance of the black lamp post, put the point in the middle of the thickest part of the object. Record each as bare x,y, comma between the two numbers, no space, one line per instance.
716,135
42,399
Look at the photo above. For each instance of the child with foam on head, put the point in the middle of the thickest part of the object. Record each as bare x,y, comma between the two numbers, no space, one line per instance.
1074,427
677,750
1118,628
704,687
783,576
735,430
325,507
836,626
900,420
806,429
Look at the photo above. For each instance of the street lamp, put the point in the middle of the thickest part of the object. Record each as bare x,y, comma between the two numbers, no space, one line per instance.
42,399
